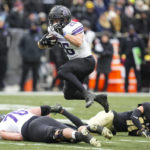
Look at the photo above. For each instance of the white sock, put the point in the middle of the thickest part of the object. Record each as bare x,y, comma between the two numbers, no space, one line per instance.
73,134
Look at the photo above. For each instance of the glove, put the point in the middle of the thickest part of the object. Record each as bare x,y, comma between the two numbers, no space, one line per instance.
58,28
48,40
144,133
107,133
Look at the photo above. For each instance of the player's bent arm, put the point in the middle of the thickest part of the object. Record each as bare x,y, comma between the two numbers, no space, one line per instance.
41,46
11,136
76,40
135,117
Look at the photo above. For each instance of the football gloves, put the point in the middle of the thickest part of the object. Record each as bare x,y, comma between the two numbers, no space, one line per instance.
48,40
107,133
58,28
144,133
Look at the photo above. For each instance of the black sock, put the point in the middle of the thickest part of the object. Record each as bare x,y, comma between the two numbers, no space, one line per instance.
73,118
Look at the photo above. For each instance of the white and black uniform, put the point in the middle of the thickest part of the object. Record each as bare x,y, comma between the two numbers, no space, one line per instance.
14,121
81,62
33,128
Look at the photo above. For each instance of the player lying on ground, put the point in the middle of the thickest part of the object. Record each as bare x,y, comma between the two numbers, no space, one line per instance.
34,125
70,36
135,122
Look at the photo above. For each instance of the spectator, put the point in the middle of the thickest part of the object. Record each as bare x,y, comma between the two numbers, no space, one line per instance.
67,3
89,37
90,14
129,43
104,50
103,24
143,22
43,22
99,7
4,39
127,19
89,34
31,55
17,17
78,10
36,6
113,15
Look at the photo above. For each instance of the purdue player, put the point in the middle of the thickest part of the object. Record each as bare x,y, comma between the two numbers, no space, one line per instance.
70,36
34,125
135,122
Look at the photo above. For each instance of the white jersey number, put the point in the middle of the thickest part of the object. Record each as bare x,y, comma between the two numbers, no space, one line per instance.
13,117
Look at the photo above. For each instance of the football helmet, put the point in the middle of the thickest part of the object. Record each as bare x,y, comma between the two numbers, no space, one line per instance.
60,13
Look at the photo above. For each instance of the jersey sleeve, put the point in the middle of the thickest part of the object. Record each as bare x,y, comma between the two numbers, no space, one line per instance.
73,28
146,107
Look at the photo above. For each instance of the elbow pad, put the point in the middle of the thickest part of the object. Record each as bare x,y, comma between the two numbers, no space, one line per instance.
45,110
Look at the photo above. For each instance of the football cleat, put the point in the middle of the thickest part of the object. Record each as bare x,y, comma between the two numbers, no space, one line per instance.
107,133
102,99
89,98
88,138
56,108
95,128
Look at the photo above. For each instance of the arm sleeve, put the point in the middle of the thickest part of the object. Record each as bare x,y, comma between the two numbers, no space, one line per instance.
45,110
135,118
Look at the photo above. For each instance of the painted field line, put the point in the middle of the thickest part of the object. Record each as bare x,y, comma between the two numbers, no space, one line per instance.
134,141
54,145
61,94
125,140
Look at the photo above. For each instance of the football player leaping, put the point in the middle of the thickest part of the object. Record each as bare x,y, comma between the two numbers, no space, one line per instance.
70,36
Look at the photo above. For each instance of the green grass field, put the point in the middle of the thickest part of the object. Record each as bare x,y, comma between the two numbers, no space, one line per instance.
119,103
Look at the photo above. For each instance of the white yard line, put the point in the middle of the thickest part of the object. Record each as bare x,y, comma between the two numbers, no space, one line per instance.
61,94
125,140
134,141
54,145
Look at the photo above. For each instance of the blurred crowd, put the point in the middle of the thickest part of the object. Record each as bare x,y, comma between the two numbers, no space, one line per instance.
23,22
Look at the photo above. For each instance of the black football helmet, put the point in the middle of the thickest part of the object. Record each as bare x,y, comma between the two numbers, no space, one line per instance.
61,13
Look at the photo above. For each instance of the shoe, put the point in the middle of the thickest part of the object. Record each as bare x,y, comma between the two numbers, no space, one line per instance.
95,128
56,108
100,130
102,99
89,98
107,133
86,137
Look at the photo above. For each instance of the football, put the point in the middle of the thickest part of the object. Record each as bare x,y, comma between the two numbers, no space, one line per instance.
51,38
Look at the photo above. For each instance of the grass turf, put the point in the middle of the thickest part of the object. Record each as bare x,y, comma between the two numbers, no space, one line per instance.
119,103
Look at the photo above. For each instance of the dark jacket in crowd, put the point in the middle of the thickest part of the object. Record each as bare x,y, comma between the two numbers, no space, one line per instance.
4,39
28,47
16,20
78,11
104,57
128,43
4,43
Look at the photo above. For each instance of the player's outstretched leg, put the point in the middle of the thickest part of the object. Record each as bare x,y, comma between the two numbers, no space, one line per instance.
102,99
100,130
88,138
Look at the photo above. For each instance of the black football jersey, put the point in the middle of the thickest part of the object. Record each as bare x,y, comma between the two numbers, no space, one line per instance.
123,123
